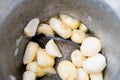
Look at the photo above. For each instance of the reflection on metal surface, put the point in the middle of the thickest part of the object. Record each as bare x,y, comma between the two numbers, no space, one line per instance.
115,5
16,51
12,77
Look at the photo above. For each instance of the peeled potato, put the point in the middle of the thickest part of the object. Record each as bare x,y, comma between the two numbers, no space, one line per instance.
77,58
83,28
33,66
49,70
44,59
52,49
46,30
31,27
90,46
94,64
60,28
67,70
29,75
97,76
30,52
82,74
78,36
70,21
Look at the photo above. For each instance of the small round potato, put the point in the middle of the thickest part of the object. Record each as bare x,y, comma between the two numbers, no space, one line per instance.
52,49
44,59
94,64
29,75
46,30
31,27
70,21
77,58
97,76
90,46
67,71
60,28
82,74
78,36
30,52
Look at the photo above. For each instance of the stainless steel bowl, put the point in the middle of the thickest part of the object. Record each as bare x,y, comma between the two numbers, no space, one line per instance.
100,17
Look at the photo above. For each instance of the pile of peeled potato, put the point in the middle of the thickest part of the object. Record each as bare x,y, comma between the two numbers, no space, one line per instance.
86,63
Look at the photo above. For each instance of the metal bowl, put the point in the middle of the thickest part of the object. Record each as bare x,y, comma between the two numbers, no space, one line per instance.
100,17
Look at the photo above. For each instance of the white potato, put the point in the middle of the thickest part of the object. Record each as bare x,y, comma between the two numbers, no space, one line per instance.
78,36
77,58
44,59
52,49
97,76
33,66
90,46
82,74
83,28
46,30
60,28
29,75
49,70
31,27
94,64
70,21
67,70
30,52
